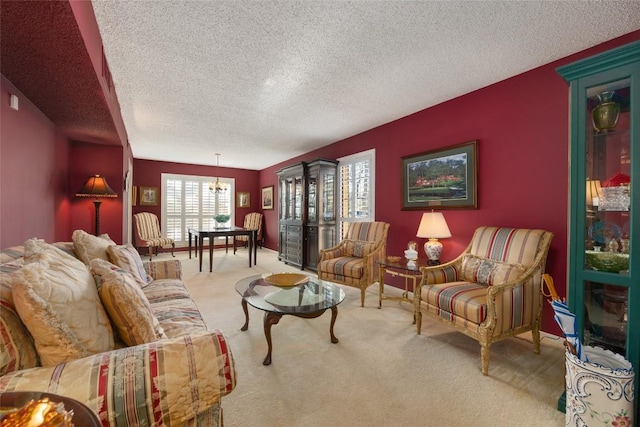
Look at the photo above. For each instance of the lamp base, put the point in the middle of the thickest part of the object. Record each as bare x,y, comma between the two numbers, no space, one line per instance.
97,202
433,249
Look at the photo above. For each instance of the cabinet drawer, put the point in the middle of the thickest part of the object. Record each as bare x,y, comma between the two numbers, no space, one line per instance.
294,241
296,259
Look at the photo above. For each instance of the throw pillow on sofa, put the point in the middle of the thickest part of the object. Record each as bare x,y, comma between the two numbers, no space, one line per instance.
57,300
128,307
87,246
359,248
485,271
128,258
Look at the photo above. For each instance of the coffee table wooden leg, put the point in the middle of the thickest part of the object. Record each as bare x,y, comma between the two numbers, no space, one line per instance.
334,315
246,315
270,319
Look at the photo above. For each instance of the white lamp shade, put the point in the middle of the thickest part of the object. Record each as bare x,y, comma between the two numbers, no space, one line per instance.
433,226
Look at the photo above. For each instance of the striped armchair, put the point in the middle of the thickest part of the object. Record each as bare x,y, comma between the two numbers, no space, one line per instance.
492,290
147,234
352,261
252,221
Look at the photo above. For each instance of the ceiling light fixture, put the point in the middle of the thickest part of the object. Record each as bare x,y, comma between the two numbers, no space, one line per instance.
218,187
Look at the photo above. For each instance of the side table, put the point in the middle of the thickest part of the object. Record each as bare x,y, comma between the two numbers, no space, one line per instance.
411,274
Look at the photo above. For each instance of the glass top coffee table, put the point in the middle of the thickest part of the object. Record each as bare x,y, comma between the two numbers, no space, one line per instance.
307,300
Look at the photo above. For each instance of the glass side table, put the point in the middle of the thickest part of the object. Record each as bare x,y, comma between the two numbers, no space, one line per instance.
412,277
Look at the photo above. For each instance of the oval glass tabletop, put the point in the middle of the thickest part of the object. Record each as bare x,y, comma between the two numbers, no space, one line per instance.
309,297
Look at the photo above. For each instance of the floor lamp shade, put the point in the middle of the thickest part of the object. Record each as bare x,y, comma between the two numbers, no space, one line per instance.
96,186
433,226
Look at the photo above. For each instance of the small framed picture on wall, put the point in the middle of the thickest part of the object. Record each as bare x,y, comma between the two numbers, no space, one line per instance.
149,196
267,197
243,200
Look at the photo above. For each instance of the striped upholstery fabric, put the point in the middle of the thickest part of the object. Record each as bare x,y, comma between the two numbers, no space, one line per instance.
353,261
147,233
171,382
492,309
167,269
514,246
462,299
252,221
177,381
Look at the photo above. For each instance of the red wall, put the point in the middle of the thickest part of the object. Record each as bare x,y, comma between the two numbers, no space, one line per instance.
147,173
41,168
33,173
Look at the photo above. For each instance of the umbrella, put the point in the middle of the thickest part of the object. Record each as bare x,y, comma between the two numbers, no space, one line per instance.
565,319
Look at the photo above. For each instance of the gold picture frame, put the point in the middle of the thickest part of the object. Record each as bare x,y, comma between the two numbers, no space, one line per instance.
149,196
267,197
134,195
243,199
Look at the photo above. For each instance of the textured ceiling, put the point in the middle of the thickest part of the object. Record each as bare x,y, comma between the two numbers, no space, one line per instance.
261,82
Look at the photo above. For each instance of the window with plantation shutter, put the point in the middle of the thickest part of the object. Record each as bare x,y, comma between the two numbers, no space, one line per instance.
187,202
356,194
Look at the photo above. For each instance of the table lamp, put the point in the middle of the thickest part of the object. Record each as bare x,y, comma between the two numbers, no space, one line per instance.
433,227
96,186
594,193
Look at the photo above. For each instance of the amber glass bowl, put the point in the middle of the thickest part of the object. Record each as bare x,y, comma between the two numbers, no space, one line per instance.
286,280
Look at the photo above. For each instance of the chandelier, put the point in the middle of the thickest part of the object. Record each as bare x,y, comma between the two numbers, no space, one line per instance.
218,187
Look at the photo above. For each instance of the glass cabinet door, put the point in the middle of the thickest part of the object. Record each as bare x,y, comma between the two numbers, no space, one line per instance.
328,196
297,207
312,203
607,213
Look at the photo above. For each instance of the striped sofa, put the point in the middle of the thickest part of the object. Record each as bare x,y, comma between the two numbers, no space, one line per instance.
492,290
176,380
147,233
353,261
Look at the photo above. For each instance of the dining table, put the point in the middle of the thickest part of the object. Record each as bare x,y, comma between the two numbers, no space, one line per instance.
199,235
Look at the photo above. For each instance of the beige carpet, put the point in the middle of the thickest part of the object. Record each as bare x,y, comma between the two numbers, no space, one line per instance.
381,373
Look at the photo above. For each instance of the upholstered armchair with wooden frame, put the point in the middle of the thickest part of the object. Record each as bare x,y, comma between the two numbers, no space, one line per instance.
353,261
252,221
493,289
147,234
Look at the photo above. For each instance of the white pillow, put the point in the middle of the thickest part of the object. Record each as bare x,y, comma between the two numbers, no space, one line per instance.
88,247
57,300
128,258
128,307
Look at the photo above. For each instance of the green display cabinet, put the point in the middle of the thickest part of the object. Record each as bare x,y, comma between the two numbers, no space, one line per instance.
604,215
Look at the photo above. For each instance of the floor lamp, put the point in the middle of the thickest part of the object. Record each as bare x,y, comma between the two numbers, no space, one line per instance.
96,186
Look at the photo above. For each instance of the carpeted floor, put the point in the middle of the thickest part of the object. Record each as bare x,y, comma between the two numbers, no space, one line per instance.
381,373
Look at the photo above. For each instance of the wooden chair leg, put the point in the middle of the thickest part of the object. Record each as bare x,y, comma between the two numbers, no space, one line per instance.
150,253
362,297
484,355
535,335
173,246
